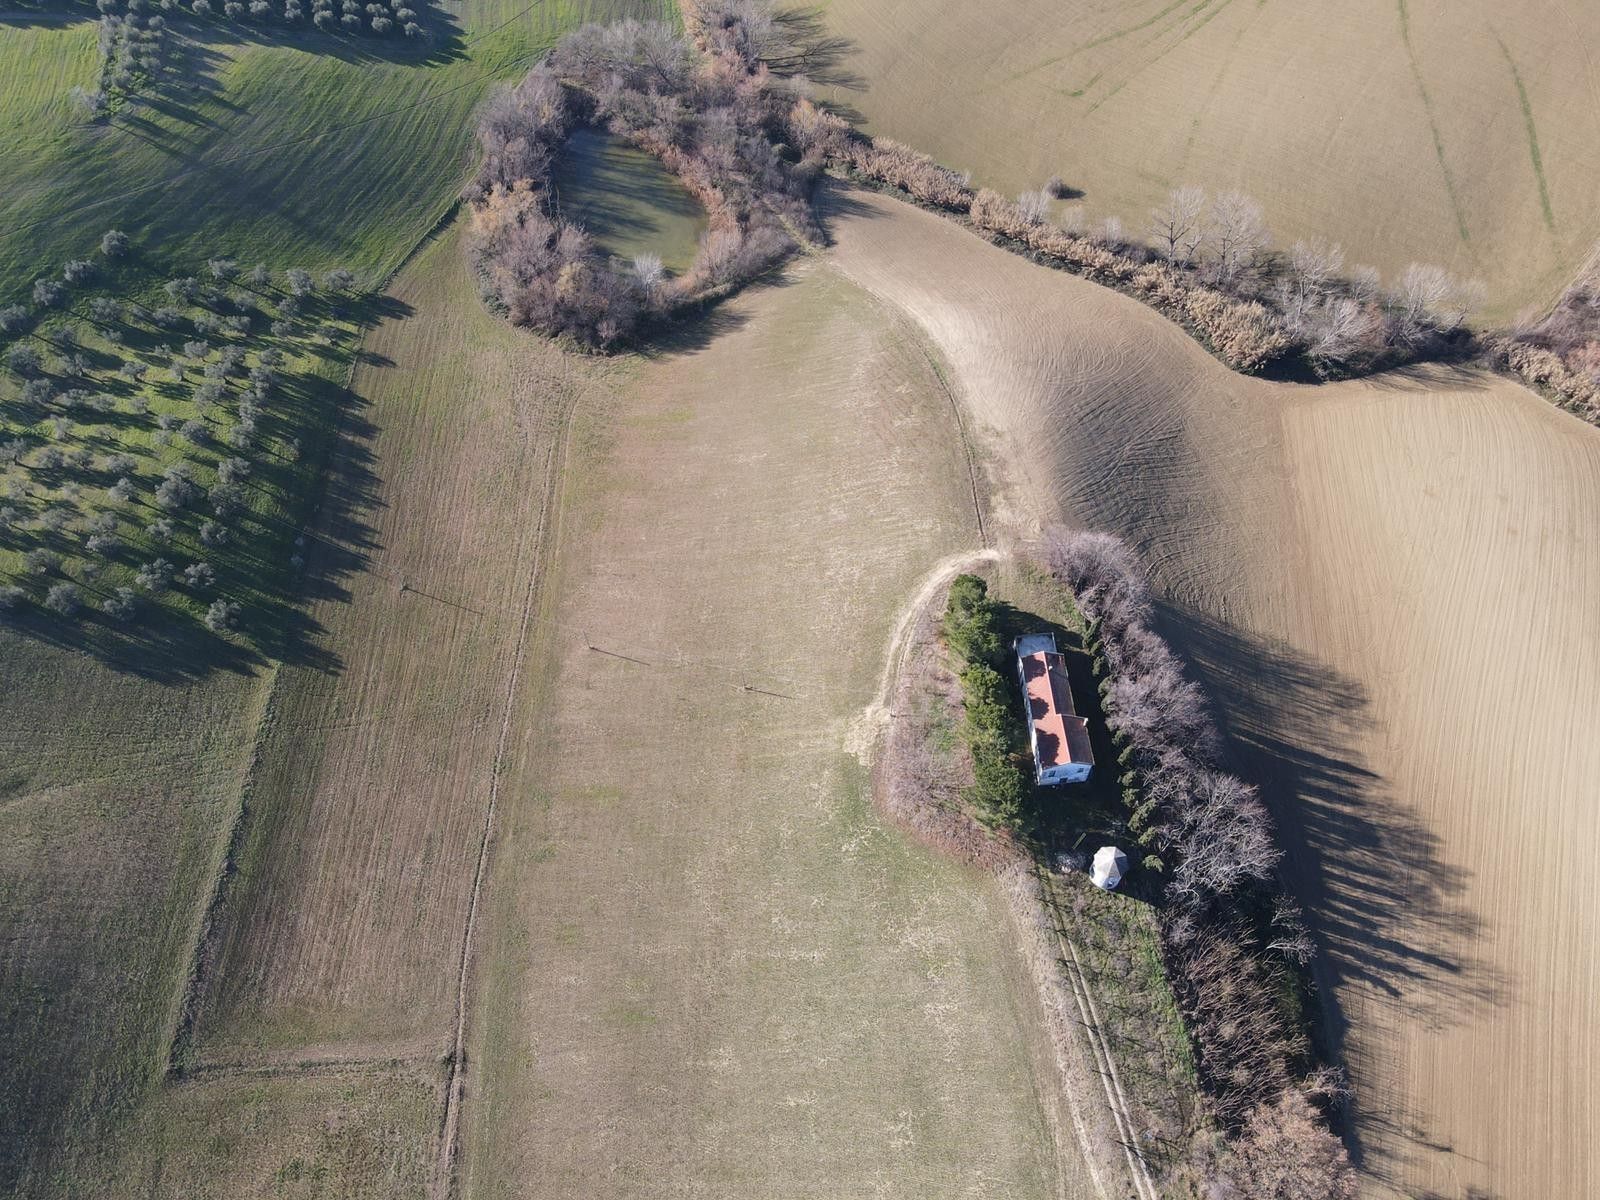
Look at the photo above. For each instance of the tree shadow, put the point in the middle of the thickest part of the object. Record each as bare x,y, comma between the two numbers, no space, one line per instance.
1389,913
814,52
196,61
309,532
692,328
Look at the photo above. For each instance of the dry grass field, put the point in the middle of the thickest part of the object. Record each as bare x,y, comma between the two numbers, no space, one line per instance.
1391,588
1458,133
709,969
344,923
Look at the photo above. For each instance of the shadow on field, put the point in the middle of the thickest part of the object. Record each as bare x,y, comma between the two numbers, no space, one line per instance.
313,532
1388,911
198,58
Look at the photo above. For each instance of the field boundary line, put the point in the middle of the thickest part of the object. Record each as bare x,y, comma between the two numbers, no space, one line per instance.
443,1184
312,1066
934,365
198,978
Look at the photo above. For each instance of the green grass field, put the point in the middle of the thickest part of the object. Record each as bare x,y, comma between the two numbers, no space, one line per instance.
301,148
124,773
627,200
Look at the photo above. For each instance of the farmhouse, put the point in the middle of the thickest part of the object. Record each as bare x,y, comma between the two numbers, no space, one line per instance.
1060,737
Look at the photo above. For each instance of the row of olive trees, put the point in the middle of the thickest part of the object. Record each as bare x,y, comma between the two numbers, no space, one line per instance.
1212,837
118,514
136,45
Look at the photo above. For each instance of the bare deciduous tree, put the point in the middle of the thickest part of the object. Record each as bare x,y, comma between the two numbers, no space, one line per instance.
1429,296
1034,206
1176,226
1238,235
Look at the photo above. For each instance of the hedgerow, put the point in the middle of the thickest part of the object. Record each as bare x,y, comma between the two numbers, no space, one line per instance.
706,104
1229,935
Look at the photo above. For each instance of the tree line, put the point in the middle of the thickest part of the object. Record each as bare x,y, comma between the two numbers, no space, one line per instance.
138,49
1210,264
1230,935
706,104
990,728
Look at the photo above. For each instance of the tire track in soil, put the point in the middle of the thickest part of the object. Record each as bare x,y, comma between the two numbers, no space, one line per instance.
443,1184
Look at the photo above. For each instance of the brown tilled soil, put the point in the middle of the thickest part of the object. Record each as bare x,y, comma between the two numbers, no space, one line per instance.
1391,588
1460,133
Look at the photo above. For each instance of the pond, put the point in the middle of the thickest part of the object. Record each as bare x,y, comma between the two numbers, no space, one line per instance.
627,200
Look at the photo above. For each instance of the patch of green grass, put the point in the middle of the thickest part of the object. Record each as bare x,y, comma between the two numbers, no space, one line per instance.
627,200
1533,136
298,147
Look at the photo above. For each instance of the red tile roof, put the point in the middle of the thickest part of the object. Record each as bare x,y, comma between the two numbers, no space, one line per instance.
1061,735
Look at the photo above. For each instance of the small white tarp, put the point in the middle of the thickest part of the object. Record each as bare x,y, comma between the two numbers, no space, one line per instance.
1110,864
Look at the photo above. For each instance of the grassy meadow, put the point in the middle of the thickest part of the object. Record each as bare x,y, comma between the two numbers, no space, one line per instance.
627,200
707,966
1458,134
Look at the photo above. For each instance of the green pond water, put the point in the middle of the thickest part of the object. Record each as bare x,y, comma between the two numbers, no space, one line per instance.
627,200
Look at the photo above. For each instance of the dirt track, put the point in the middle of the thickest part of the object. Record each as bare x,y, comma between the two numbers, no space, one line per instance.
1391,586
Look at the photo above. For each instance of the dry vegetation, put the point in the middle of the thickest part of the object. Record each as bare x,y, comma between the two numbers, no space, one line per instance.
1231,940
707,104
710,967
1386,588
1208,266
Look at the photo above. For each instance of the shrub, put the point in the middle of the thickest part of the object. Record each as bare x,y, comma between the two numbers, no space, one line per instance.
63,599
11,597
154,576
971,624
114,243
48,293
122,605
79,270
174,491
220,616
40,561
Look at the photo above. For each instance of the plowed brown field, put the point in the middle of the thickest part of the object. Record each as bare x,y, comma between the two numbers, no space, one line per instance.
1458,133
1391,587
